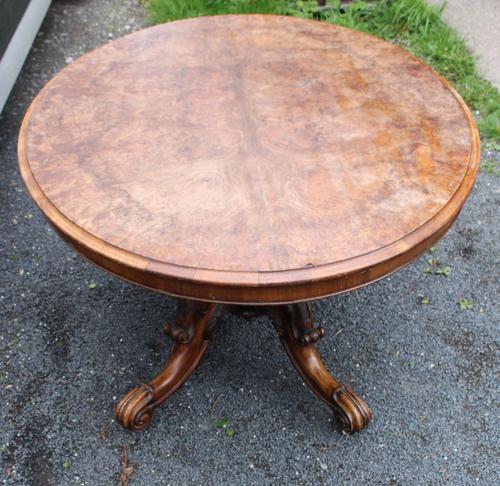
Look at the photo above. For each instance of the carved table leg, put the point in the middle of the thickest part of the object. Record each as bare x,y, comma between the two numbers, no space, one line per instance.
192,334
298,335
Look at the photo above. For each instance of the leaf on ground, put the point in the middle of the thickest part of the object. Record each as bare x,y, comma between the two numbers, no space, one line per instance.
66,464
434,261
223,423
442,271
466,304
434,267
424,299
92,285
103,432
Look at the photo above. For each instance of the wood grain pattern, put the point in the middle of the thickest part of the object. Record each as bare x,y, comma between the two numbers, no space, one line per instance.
298,334
192,333
249,159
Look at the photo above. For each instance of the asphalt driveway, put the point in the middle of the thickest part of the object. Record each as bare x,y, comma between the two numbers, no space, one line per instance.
74,339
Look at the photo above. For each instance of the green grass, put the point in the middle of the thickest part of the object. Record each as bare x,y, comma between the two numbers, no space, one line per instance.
166,10
490,166
412,24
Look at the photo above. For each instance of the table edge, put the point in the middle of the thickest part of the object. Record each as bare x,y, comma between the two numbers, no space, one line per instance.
257,287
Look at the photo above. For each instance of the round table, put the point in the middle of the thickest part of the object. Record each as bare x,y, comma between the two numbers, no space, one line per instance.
248,164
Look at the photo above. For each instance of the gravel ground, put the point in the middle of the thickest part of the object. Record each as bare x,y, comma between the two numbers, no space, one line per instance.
74,339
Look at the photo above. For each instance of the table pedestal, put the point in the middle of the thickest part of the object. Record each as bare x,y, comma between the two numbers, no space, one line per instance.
192,333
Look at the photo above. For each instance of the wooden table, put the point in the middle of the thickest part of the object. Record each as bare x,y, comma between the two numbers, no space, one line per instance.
248,164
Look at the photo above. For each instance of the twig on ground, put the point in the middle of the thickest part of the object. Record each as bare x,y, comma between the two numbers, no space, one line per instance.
125,469
338,332
212,410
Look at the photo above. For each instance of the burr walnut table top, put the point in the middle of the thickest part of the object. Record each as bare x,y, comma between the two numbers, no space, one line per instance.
249,159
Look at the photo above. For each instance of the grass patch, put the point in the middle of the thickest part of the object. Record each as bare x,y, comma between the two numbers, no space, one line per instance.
411,24
490,167
167,10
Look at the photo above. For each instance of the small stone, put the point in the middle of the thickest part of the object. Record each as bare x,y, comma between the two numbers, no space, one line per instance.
323,466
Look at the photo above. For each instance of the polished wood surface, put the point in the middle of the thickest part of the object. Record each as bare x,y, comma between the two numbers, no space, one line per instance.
298,334
249,159
192,333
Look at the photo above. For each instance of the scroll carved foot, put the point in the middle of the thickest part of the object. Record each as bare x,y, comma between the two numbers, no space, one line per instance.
353,413
192,334
134,410
297,332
